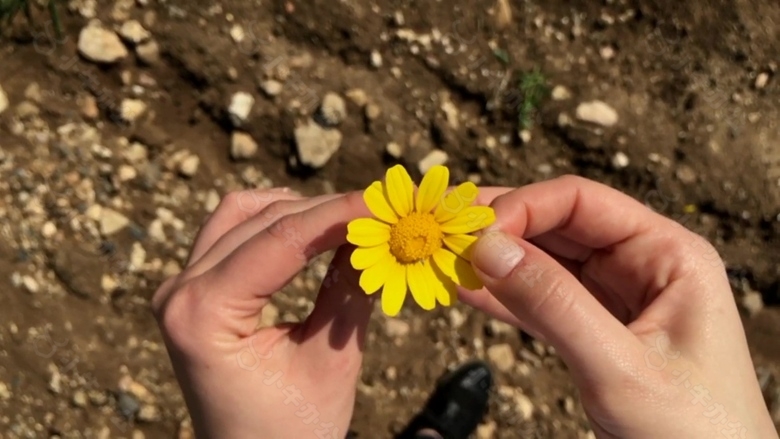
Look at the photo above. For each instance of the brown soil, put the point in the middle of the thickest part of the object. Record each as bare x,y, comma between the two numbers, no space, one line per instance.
701,138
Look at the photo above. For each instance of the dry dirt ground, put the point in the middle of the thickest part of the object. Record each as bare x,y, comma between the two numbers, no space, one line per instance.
100,202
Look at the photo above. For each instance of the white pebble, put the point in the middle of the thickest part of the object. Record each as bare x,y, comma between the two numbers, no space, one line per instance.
49,229
620,160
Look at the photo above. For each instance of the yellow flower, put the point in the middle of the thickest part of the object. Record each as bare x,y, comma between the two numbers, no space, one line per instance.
419,241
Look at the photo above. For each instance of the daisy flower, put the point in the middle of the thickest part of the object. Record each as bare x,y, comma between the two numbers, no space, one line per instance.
419,240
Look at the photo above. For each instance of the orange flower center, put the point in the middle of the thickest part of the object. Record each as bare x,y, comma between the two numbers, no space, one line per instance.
415,237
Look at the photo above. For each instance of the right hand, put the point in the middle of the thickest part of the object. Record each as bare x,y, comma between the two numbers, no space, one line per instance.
638,307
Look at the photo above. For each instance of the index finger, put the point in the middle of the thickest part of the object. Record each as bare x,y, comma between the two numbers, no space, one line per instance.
581,210
269,260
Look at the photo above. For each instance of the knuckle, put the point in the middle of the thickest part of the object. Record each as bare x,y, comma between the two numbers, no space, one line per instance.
248,202
285,225
574,180
176,315
354,201
554,298
163,291
276,209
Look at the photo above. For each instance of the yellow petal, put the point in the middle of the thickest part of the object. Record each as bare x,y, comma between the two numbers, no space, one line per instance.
457,269
420,276
461,245
460,198
394,291
445,289
367,232
400,190
378,204
365,257
372,278
432,188
470,220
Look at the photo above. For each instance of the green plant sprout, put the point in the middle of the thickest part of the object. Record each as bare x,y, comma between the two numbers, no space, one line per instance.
533,90
10,8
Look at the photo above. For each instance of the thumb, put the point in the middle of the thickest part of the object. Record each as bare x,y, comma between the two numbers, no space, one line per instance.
551,302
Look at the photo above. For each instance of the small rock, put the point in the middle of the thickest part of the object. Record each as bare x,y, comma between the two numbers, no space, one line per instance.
88,107
497,327
156,231
686,174
398,18
269,315
127,405
569,406
97,398
598,113
126,173
316,145
391,373
3,100
237,33
394,150
242,146
487,431
33,92
560,93
524,406
133,32
525,136
148,413
138,434
376,59
620,160
5,392
372,111
240,108
503,15
68,262
30,284
358,96
171,269
148,53
27,110
100,45
396,328
457,319
189,166
761,80
108,283
272,87
752,302
79,398
112,221
49,229
502,356
333,109
212,201
55,380
434,158
185,430
607,52
132,109
137,257
132,387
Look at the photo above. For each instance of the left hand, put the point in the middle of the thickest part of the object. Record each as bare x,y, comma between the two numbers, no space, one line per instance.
288,381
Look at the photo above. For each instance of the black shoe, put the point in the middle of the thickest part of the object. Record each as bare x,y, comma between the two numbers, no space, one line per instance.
458,404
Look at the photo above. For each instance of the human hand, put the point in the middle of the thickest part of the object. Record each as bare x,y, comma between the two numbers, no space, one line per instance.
638,307
291,381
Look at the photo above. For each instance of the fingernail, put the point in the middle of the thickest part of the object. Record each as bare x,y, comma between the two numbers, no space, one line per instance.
497,255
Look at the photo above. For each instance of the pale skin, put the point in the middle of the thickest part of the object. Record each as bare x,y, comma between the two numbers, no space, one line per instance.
636,306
